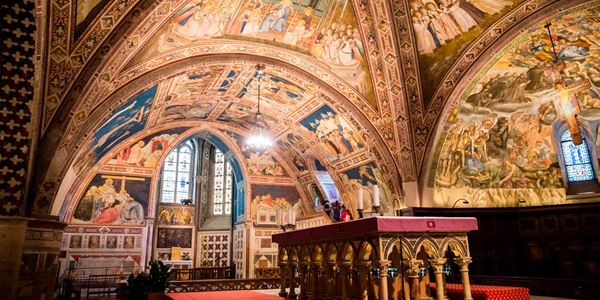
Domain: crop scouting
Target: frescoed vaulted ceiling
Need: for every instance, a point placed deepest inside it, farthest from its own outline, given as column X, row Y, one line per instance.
column 356, row 84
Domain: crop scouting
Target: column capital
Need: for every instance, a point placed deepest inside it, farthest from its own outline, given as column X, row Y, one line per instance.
column 383, row 266
column 413, row 266
column 464, row 262
column 437, row 264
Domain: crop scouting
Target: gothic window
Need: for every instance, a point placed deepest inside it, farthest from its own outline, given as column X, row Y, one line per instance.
column 177, row 174
column 222, row 185
column 578, row 163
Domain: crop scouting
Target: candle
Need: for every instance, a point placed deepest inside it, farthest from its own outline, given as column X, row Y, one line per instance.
column 291, row 214
column 375, row 195
column 284, row 218
column 360, row 198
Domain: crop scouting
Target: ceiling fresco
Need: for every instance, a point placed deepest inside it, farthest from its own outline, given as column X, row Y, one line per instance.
column 499, row 145
column 325, row 30
column 444, row 28
column 343, row 84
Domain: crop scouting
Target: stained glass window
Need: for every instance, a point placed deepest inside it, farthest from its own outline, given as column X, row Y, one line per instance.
column 577, row 159
column 223, row 185
column 177, row 174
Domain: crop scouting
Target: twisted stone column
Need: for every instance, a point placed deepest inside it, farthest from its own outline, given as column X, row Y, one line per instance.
column 464, row 262
column 413, row 278
column 345, row 268
column 292, row 271
column 282, row 275
column 438, row 270
column 331, row 281
column 365, row 270
column 383, row 278
column 303, row 280
column 314, row 269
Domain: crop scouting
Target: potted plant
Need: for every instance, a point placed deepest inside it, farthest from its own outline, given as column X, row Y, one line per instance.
column 158, row 279
column 150, row 285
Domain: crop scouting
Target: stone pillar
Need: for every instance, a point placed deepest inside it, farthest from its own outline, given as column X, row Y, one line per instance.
column 438, row 268
column 292, row 272
column 464, row 262
column 331, row 281
column 365, row 270
column 30, row 251
column 314, row 272
column 12, row 233
column 282, row 275
column 413, row 278
column 383, row 279
column 344, row 286
column 303, row 280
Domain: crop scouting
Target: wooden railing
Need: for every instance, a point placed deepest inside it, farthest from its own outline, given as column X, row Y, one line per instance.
column 203, row 273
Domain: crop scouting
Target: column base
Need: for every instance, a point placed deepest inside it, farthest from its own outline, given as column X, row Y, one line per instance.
column 283, row 294
column 292, row 295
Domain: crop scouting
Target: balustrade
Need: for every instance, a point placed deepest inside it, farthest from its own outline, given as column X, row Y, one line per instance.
column 375, row 258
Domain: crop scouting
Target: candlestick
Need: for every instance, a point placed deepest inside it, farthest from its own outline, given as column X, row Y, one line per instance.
column 376, row 195
column 360, row 198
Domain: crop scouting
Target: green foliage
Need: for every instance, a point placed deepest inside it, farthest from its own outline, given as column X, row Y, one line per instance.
column 156, row 280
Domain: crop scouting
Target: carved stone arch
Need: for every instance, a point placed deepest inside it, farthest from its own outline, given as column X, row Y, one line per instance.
column 292, row 254
column 317, row 254
column 347, row 253
column 454, row 245
column 305, row 253
column 138, row 82
column 331, row 254
column 429, row 245
column 368, row 251
column 282, row 254
column 401, row 244
column 198, row 127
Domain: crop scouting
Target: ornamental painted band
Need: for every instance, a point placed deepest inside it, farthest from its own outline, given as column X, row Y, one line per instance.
column 375, row 258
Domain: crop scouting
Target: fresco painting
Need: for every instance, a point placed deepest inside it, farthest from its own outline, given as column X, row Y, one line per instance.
column 174, row 237
column 500, row 147
column 113, row 200
column 127, row 120
column 327, row 30
column 269, row 200
column 86, row 11
column 366, row 177
column 333, row 132
column 175, row 215
column 444, row 28
column 147, row 151
column 189, row 97
column 258, row 162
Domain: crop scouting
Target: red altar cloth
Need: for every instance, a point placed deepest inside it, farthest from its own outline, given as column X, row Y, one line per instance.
column 379, row 225
column 454, row 291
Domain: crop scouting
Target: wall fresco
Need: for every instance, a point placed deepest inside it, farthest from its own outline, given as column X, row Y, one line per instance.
column 174, row 237
column 147, row 151
column 126, row 120
column 258, row 162
column 269, row 200
column 500, row 145
column 85, row 13
column 366, row 177
column 113, row 200
column 444, row 28
column 333, row 133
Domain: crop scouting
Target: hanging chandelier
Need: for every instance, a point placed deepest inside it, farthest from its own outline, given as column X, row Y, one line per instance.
column 259, row 139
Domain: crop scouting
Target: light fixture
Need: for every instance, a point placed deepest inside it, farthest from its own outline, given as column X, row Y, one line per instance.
column 259, row 139
column 564, row 98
